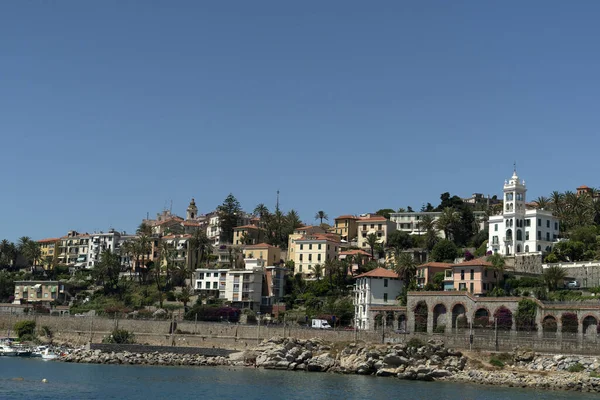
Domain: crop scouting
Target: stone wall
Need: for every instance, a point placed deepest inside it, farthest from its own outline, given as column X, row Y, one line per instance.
column 137, row 348
column 586, row 273
column 529, row 264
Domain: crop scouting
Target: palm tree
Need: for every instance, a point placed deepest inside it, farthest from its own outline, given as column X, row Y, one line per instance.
column 542, row 203
column 448, row 222
column 293, row 220
column 321, row 215
column 330, row 268
column 32, row 252
column 371, row 240
column 198, row 243
column 7, row 253
column 405, row 266
column 317, row 271
column 261, row 211
column 554, row 276
column 498, row 264
column 167, row 253
column 184, row 296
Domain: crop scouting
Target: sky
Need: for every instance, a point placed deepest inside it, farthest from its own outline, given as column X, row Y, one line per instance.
column 110, row 110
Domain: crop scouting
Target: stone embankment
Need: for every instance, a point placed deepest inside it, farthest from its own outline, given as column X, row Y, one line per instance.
column 414, row 361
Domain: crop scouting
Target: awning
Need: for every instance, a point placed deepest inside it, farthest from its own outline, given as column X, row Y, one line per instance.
column 37, row 286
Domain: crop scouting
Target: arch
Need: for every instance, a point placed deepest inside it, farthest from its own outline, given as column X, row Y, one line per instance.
column 549, row 326
column 389, row 320
column 590, row 325
column 421, row 314
column 518, row 248
column 378, row 320
column 519, row 234
column 509, row 234
column 539, row 248
column 402, row 322
column 481, row 318
column 569, row 322
column 526, row 248
column 439, row 318
column 504, row 318
column 459, row 316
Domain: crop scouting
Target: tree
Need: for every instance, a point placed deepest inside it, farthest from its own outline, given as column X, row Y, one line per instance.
column 23, row 328
column 525, row 316
column 317, row 271
column 107, row 271
column 542, row 203
column 448, row 222
column 321, row 215
column 199, row 243
column 406, row 267
column 498, row 263
column 400, row 240
column 184, row 296
column 372, row 241
column 261, row 211
column 385, row 212
column 427, row 224
column 554, row 277
column 229, row 213
column 31, row 251
column 448, row 201
column 444, row 251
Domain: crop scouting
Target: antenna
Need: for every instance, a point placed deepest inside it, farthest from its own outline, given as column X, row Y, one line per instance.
column 171, row 208
column 515, row 167
column 277, row 204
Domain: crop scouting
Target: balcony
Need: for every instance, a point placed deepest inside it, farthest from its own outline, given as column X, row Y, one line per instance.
column 508, row 238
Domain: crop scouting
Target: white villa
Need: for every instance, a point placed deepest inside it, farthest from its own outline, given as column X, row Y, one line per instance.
column 409, row 222
column 376, row 288
column 518, row 229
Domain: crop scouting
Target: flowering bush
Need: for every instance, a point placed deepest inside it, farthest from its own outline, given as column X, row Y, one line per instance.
column 468, row 255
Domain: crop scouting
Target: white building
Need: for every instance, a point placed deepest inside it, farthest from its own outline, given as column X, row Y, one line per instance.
column 99, row 243
column 409, row 222
column 518, row 229
column 378, row 287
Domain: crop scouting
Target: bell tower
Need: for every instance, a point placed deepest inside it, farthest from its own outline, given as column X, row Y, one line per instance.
column 192, row 210
column 514, row 214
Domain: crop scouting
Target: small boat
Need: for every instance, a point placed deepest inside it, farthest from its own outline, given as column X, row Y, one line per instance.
column 48, row 355
column 7, row 350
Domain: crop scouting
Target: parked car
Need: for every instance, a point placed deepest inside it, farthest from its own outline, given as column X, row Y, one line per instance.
column 572, row 284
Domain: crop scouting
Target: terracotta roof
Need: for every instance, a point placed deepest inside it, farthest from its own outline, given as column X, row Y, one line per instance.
column 191, row 223
column 50, row 240
column 476, row 262
column 186, row 236
column 347, row 217
column 301, row 228
column 246, row 227
column 437, row 264
column 374, row 218
column 354, row 252
column 379, row 273
column 260, row 246
column 321, row 236
column 583, row 187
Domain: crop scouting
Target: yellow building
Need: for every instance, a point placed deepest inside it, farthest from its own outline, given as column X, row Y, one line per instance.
column 315, row 249
column 49, row 252
column 375, row 224
column 43, row 292
column 264, row 251
column 299, row 233
column 247, row 235
column 346, row 226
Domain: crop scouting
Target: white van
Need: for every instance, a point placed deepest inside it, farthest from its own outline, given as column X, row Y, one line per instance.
column 320, row 324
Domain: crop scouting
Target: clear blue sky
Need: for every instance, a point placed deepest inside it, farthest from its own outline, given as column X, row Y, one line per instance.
column 111, row 109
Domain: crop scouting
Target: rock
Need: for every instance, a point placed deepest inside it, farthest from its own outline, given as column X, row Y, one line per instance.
column 320, row 363
column 386, row 372
column 394, row 360
column 440, row 373
column 524, row 355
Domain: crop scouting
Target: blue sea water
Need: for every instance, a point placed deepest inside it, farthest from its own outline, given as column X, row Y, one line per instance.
column 92, row 381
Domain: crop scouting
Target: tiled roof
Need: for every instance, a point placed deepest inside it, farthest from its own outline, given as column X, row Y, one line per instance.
column 347, row 217
column 302, row 228
column 374, row 218
column 260, row 246
column 191, row 223
column 321, row 236
column 583, row 187
column 50, row 240
column 246, row 227
column 476, row 262
column 354, row 252
column 379, row 272
column 437, row 264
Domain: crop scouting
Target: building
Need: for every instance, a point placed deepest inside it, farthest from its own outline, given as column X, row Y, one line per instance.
column 314, row 249
column 99, row 243
column 355, row 258
column 39, row 292
column 376, row 224
column 426, row 272
column 478, row 199
column 247, row 235
column 299, row 233
column 518, row 229
column 263, row 251
column 210, row 283
column 410, row 222
column 74, row 248
column 375, row 289
column 346, row 227
column 475, row 276
column 182, row 254
column 49, row 249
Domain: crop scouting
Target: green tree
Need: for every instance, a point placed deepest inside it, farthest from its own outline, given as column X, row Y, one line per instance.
column 406, row 267
column 229, row 212
column 498, row 262
column 184, row 296
column 317, row 271
column 400, row 240
column 444, row 251
column 372, row 241
column 107, row 271
column 525, row 315
column 448, row 222
column 385, row 212
column 7, row 286
column 554, row 277
column 23, row 328
column 199, row 243
column 321, row 215
column 261, row 211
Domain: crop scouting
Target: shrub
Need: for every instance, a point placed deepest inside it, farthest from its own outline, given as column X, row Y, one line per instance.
column 440, row 329
column 496, row 363
column 576, row 368
column 22, row 328
column 570, row 323
column 506, row 358
column 47, row 331
column 525, row 315
column 504, row 318
column 120, row 336
column 28, row 338
column 461, row 322
column 415, row 343
column 171, row 296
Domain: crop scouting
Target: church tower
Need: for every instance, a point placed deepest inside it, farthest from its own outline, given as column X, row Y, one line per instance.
column 514, row 214
column 192, row 210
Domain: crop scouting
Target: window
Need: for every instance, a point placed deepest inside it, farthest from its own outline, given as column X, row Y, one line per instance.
column 471, row 287
column 462, row 274
column 385, row 283
column 319, row 246
column 201, row 275
column 472, row 274
column 208, row 285
column 462, row 286
column 495, row 227
column 539, row 222
column 372, row 226
column 528, row 222
column 527, row 235
column 310, row 246
column 300, row 257
column 310, row 257
column 485, row 272
column 300, row 268
column 379, row 227
column 539, row 248
column 318, row 257
column 215, row 285
column 301, row 247
column 548, row 236
column 526, row 248
column 547, row 223
column 385, row 297
column 556, row 226
column 539, row 235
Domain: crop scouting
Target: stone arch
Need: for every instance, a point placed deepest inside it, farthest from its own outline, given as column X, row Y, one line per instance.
column 519, row 234
column 549, row 326
column 504, row 318
column 402, row 322
column 459, row 316
column 526, row 248
column 518, row 248
column 481, row 318
column 569, row 322
column 590, row 325
column 439, row 316
column 421, row 314
column 378, row 319
column 389, row 320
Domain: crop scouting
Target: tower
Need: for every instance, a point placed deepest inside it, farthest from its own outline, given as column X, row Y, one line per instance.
column 192, row 210
column 514, row 214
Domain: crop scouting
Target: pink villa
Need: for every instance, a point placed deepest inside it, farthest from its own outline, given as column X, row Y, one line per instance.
column 426, row 272
column 475, row 276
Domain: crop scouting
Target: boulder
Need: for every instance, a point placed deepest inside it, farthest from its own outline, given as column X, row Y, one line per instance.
column 320, row 363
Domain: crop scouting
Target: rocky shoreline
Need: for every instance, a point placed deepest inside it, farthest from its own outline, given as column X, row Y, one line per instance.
column 413, row 361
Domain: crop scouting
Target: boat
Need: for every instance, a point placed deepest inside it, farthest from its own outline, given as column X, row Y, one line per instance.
column 49, row 355
column 7, row 350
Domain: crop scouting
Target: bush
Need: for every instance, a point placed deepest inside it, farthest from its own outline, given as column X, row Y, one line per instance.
column 120, row 336
column 496, row 363
column 28, row 338
column 576, row 368
column 24, row 328
column 440, row 329
column 506, row 358
column 415, row 343
column 47, row 331
column 171, row 296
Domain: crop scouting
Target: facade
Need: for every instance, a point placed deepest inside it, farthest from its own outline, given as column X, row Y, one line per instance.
column 313, row 250
column 356, row 258
column 298, row 234
column 247, row 235
column 346, row 227
column 211, row 282
column 377, row 288
column 376, row 224
column 518, row 229
column 49, row 249
column 475, row 276
column 39, row 292
column 409, row 222
column 182, row 254
column 263, row 251
column 74, row 249
column 99, row 243
column 426, row 272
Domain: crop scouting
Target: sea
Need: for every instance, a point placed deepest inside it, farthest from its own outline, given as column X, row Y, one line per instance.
column 21, row 378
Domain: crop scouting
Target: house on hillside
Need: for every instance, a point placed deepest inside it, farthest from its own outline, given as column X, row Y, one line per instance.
column 376, row 289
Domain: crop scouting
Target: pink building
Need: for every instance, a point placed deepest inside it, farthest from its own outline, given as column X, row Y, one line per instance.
column 476, row 276
column 426, row 272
